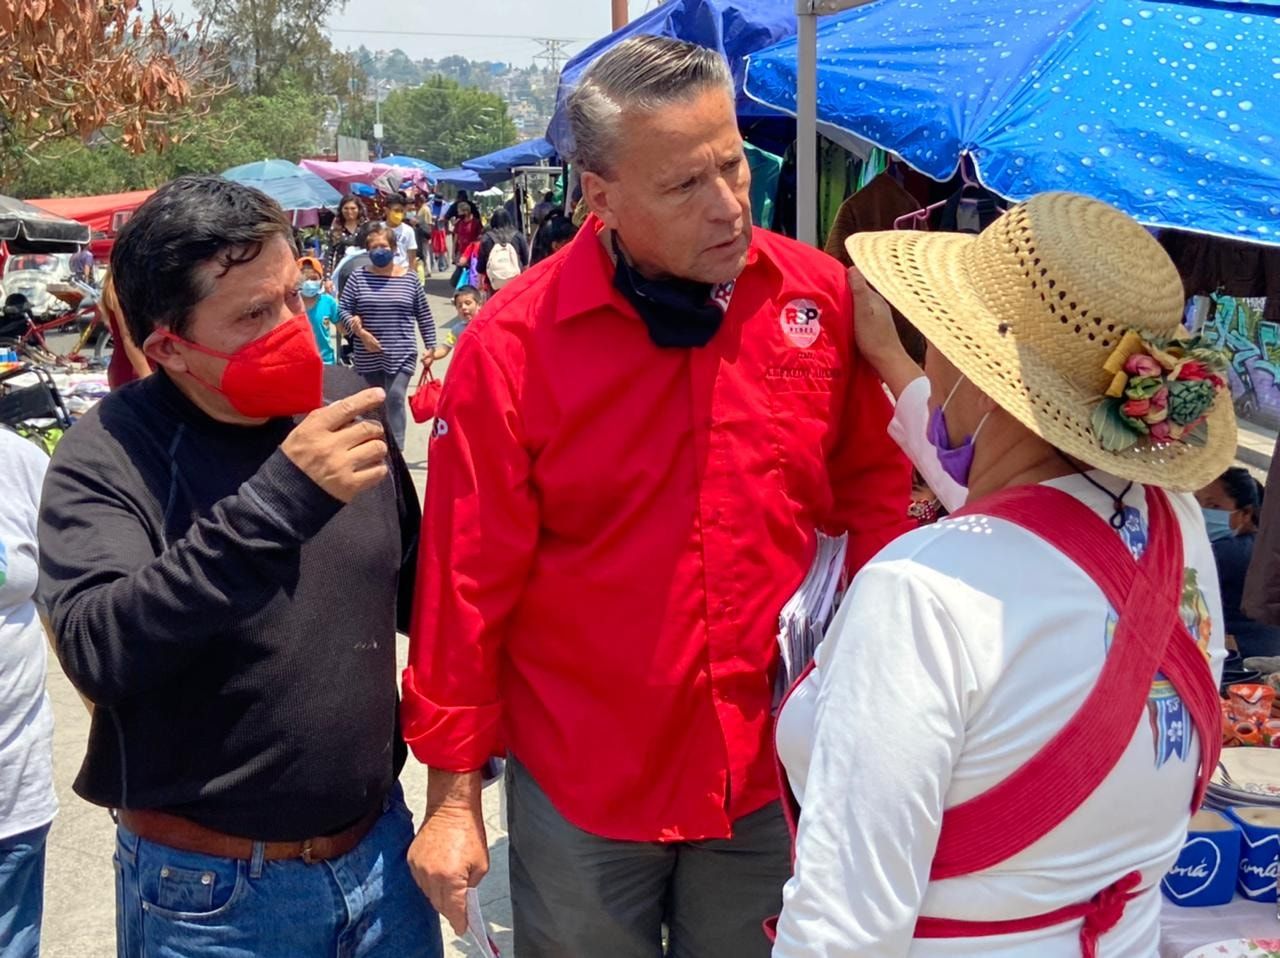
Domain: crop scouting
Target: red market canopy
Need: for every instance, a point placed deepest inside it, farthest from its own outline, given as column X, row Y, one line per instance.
column 96, row 212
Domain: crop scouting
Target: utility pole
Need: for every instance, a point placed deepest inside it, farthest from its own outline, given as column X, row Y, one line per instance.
column 554, row 52
column 377, row 117
column 620, row 14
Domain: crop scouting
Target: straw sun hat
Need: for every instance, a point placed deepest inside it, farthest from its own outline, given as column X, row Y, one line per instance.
column 1068, row 314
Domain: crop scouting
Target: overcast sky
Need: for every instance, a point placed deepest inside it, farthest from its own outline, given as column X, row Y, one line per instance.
column 405, row 25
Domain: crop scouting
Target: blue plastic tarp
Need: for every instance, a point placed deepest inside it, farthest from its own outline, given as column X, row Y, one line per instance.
column 496, row 167
column 287, row 183
column 463, row 179
column 412, row 161
column 734, row 27
column 1164, row 109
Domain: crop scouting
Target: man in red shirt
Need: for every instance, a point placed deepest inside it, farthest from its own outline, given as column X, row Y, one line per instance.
column 636, row 443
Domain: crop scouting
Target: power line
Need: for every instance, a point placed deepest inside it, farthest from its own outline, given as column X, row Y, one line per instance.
column 466, row 36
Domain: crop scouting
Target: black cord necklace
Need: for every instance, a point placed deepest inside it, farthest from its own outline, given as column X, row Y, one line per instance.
column 1117, row 517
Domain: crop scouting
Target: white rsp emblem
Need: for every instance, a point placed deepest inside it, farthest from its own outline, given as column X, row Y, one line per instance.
column 801, row 322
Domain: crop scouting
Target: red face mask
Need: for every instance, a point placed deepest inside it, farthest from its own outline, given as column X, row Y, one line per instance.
column 279, row 374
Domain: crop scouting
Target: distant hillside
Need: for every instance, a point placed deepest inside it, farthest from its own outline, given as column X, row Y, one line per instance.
column 529, row 91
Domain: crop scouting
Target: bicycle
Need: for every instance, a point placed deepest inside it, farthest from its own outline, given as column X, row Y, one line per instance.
column 20, row 331
column 35, row 411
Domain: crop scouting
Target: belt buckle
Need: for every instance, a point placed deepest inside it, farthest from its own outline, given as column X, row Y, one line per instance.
column 306, row 853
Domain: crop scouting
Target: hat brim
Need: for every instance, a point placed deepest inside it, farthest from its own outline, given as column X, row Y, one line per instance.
column 926, row 276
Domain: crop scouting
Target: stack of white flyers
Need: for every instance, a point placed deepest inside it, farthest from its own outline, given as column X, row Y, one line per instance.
column 804, row 619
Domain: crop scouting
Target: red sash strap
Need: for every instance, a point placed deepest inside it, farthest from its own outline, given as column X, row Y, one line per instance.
column 1150, row 637
column 1102, row 913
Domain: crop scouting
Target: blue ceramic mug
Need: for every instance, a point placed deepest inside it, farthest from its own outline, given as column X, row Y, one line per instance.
column 1207, row 866
column 1259, row 852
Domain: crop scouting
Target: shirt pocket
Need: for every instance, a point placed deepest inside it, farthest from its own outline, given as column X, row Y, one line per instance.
column 803, row 416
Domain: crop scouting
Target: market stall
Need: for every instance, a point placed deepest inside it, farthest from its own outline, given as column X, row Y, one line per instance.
column 294, row 188
column 344, row 176
column 733, row 27
column 1159, row 109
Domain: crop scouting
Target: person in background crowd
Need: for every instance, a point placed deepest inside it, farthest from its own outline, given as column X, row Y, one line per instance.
column 128, row 362
column 603, row 601
column 504, row 253
column 82, row 266
column 1232, row 506
column 422, row 223
column 193, row 530
column 27, row 800
column 467, row 303
column 543, row 209
column 344, row 234
column 452, row 212
column 380, row 306
column 1057, row 647
column 406, row 239
column 1260, row 601
column 467, row 229
column 556, row 232
column 439, row 235
column 322, row 309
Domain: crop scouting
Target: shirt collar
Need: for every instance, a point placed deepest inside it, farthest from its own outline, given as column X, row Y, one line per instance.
column 586, row 279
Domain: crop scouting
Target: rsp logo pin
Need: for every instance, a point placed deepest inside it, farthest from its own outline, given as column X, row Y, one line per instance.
column 801, row 322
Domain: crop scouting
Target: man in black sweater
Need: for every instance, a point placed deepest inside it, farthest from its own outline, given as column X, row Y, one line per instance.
column 226, row 552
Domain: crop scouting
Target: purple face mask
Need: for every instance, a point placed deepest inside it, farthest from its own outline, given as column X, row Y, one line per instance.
column 956, row 462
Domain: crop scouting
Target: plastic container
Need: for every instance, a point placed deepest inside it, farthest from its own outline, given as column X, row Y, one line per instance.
column 1208, row 865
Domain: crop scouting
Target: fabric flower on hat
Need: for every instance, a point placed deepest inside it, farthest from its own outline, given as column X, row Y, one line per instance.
column 1161, row 390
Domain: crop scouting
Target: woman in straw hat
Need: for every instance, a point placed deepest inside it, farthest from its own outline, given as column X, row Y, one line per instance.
column 1014, row 715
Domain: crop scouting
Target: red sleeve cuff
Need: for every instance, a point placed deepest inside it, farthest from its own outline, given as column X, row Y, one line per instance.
column 452, row 738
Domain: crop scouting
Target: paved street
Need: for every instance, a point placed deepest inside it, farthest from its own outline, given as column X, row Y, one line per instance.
column 79, row 885
column 80, row 902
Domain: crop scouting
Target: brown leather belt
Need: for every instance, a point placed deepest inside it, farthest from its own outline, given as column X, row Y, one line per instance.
column 185, row 835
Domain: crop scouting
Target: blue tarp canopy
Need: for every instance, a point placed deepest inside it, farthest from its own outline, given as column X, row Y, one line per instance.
column 1164, row 108
column 496, row 167
column 424, row 165
column 463, row 179
column 734, row 27
column 287, row 183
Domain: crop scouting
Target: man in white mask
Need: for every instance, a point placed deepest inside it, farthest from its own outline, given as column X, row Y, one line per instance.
column 878, row 341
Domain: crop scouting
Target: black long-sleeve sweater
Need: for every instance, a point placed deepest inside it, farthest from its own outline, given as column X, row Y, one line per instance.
column 234, row 625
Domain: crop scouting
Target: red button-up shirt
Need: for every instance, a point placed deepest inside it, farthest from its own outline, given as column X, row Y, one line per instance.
column 612, row 529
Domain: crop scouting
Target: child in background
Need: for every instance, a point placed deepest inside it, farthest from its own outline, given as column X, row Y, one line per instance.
column 467, row 302
column 406, row 240
column 322, row 309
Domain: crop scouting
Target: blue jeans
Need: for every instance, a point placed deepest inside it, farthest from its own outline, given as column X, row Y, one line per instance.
column 174, row 904
column 22, row 892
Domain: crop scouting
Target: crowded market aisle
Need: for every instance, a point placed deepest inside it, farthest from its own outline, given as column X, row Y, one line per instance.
column 79, row 885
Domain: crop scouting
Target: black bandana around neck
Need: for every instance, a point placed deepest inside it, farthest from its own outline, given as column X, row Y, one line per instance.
column 678, row 313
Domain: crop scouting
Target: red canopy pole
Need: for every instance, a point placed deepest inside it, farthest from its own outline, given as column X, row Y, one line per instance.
column 620, row 14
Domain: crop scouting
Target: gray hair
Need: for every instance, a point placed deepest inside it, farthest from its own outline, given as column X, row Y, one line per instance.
column 643, row 73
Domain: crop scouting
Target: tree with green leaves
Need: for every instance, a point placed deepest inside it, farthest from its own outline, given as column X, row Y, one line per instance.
column 76, row 70
column 273, row 44
column 446, row 122
column 243, row 129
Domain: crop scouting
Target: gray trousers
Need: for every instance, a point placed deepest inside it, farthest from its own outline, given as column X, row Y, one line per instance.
column 397, row 389
column 576, row 895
